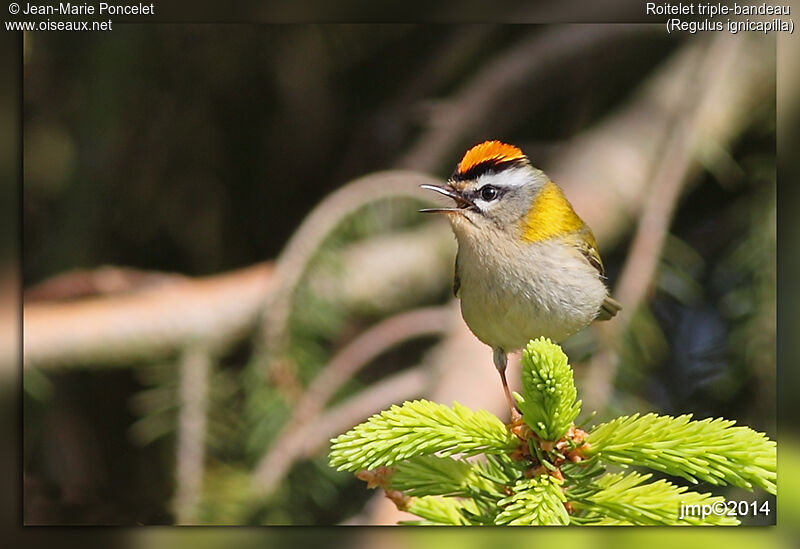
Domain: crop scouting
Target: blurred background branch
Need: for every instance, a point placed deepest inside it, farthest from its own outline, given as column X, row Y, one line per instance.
column 195, row 366
column 149, row 323
column 294, row 260
column 474, row 106
column 715, row 71
column 366, row 347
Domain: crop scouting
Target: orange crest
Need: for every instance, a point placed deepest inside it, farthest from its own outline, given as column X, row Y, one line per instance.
column 489, row 151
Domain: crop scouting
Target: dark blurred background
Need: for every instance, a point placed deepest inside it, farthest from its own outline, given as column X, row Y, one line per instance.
column 199, row 148
column 157, row 154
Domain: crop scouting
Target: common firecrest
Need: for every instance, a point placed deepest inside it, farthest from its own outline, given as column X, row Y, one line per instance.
column 527, row 265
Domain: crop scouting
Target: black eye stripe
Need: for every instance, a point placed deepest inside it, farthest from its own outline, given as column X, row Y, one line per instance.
column 478, row 194
column 488, row 166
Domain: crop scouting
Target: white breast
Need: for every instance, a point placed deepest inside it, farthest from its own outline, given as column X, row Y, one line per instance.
column 539, row 289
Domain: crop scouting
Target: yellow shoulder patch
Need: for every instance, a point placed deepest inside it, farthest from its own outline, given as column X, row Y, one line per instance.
column 489, row 151
column 550, row 215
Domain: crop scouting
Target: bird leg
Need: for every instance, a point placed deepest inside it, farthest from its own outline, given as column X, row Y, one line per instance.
column 500, row 362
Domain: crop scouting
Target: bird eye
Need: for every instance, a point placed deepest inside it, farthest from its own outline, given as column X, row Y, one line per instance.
column 489, row 193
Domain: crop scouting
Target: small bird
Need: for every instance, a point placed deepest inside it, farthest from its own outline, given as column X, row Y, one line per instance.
column 527, row 265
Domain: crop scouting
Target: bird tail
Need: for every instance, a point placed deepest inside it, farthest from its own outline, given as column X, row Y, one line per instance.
column 609, row 308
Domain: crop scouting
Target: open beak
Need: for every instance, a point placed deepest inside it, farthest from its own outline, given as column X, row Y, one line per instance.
column 461, row 201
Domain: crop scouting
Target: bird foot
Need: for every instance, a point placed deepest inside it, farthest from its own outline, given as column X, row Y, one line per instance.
column 518, row 426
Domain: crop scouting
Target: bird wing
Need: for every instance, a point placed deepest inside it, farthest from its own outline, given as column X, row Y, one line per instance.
column 456, row 279
column 587, row 245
